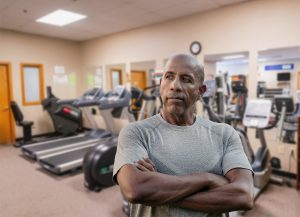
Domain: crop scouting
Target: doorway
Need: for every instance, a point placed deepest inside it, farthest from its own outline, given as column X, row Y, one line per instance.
column 7, row 134
column 139, row 79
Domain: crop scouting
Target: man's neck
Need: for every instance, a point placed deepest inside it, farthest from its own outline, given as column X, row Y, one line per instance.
column 180, row 120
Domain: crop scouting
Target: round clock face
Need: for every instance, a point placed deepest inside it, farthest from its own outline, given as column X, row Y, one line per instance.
column 195, row 47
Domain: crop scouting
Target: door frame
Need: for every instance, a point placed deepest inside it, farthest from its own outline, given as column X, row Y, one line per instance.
column 10, row 90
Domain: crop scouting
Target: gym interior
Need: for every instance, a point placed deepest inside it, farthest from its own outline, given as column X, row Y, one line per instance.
column 67, row 89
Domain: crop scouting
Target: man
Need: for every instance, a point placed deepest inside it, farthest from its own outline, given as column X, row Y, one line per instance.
column 178, row 164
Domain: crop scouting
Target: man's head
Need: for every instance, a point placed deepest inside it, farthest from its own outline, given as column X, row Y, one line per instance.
column 182, row 84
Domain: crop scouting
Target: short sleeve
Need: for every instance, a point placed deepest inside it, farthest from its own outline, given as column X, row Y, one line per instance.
column 234, row 156
column 130, row 148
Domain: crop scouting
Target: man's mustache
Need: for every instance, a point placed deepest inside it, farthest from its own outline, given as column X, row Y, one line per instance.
column 175, row 96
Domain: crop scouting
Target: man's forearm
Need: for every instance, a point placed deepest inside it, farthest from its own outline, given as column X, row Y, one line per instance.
column 233, row 196
column 156, row 188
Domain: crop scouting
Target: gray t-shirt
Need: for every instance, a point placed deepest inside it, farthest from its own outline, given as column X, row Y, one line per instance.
column 204, row 146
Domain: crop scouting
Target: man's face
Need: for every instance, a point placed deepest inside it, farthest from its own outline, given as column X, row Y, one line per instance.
column 180, row 87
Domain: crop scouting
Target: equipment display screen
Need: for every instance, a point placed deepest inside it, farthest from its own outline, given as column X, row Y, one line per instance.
column 286, row 76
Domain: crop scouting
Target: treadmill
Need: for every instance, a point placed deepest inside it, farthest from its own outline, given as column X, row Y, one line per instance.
column 36, row 150
column 72, row 159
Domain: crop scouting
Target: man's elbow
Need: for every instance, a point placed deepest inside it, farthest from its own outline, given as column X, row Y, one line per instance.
column 132, row 195
column 132, row 192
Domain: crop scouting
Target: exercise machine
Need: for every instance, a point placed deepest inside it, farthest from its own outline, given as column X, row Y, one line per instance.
column 98, row 162
column 72, row 159
column 285, row 107
column 26, row 125
column 67, row 119
column 36, row 150
column 257, row 115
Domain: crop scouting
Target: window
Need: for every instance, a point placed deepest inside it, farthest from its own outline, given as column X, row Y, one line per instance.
column 116, row 77
column 32, row 84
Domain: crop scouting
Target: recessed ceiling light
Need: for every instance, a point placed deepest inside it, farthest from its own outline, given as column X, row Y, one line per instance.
column 233, row 57
column 60, row 18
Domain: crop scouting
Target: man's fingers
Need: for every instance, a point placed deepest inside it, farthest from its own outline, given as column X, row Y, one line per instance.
column 149, row 161
column 140, row 167
column 147, row 165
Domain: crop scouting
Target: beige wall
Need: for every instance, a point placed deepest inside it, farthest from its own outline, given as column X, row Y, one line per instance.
column 249, row 26
column 19, row 48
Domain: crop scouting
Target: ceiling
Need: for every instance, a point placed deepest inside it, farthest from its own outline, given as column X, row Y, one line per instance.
column 104, row 17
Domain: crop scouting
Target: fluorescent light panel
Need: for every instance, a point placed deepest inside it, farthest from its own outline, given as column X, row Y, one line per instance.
column 233, row 57
column 61, row 18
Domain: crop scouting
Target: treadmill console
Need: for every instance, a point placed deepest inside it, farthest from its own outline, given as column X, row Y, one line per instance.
column 116, row 94
column 95, row 93
column 90, row 98
column 119, row 97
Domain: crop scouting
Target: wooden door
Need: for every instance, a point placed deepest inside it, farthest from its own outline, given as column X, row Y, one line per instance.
column 6, row 128
column 138, row 79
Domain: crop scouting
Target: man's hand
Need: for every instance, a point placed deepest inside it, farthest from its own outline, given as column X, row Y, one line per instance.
column 145, row 165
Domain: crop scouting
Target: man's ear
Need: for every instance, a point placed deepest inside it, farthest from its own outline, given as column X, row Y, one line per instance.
column 202, row 89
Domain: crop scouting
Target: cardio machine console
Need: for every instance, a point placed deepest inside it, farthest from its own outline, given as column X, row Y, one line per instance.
column 257, row 113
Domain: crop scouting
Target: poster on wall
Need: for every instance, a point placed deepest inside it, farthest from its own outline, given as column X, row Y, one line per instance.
column 59, row 70
column 60, row 79
column 72, row 79
column 90, row 80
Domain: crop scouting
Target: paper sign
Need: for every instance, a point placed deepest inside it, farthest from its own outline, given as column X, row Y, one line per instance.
column 72, row 79
column 60, row 79
column 90, row 80
column 59, row 69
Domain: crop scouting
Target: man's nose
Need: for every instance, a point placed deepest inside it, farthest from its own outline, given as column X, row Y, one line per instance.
column 176, row 84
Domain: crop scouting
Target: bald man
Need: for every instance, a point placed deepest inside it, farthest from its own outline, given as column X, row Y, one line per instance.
column 178, row 164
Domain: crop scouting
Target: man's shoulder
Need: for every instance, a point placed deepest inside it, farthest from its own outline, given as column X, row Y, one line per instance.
column 215, row 127
column 151, row 122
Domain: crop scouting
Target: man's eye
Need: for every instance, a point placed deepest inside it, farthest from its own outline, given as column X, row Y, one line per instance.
column 169, row 76
column 187, row 80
